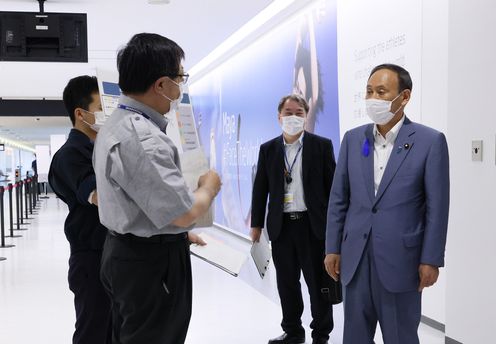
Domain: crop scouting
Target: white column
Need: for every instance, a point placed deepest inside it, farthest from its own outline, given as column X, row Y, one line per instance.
column 471, row 274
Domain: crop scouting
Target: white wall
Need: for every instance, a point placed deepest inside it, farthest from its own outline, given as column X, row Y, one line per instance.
column 56, row 141
column 372, row 33
column 10, row 162
column 434, row 113
column 471, row 275
column 423, row 52
column 26, row 160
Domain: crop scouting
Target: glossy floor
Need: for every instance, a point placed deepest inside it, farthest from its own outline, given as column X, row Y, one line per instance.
column 36, row 304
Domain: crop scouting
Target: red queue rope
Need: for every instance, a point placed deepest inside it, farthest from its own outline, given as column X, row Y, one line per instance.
column 10, row 187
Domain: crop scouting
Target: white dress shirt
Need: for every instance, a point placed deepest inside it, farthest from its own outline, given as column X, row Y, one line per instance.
column 295, row 188
column 383, row 146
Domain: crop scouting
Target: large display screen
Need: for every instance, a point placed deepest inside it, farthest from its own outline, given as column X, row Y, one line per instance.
column 235, row 105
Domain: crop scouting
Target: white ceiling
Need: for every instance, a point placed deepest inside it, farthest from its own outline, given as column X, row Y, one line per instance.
column 198, row 26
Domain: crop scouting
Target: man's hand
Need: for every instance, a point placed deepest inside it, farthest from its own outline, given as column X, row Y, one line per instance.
column 94, row 198
column 211, row 181
column 332, row 264
column 428, row 276
column 255, row 234
column 195, row 239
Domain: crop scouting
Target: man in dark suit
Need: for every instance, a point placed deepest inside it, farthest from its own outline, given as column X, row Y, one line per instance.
column 295, row 170
column 72, row 178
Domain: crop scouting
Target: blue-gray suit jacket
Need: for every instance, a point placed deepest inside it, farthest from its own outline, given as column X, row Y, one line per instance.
column 408, row 218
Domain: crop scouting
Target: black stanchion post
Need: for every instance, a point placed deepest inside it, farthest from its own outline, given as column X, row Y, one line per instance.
column 2, row 228
column 38, row 190
column 45, row 188
column 2, row 222
column 26, row 192
column 11, row 213
column 19, row 207
column 30, row 196
column 35, row 191
column 21, row 203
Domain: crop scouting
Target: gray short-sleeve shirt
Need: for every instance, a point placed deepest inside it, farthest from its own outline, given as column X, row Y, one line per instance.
column 140, row 186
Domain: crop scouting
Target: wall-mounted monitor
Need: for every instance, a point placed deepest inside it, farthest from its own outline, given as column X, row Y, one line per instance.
column 49, row 37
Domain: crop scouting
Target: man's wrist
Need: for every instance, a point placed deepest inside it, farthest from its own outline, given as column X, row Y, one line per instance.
column 210, row 192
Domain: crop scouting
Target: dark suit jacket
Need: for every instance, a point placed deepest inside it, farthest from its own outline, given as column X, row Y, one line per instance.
column 72, row 178
column 318, row 166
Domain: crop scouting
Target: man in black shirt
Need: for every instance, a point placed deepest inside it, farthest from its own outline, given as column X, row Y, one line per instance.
column 72, row 178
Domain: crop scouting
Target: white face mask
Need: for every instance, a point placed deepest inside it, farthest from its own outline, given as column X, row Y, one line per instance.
column 174, row 103
column 292, row 125
column 379, row 110
column 100, row 119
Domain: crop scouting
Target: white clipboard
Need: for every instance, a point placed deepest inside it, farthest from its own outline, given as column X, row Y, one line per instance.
column 261, row 254
column 193, row 165
column 219, row 255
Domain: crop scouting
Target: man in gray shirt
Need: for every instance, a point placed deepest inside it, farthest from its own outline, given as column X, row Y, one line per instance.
column 144, row 201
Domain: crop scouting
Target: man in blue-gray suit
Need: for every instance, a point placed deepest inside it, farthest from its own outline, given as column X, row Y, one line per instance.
column 388, row 214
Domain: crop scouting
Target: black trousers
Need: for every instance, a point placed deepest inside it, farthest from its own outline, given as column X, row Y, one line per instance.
column 150, row 284
column 92, row 304
column 295, row 250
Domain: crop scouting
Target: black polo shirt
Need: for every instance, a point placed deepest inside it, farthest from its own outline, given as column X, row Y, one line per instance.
column 72, row 178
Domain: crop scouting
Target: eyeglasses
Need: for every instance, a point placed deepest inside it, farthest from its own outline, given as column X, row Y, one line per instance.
column 184, row 76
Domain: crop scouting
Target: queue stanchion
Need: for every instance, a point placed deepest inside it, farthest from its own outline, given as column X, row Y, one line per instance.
column 34, row 187
column 30, row 196
column 45, row 188
column 2, row 222
column 10, row 189
column 2, row 226
column 26, row 196
column 19, row 208
column 35, row 192
column 38, row 191
column 21, row 204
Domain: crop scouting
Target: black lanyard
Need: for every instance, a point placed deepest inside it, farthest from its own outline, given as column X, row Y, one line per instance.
column 288, row 169
column 139, row 112
column 132, row 109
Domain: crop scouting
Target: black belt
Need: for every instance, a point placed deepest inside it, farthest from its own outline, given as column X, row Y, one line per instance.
column 155, row 239
column 295, row 215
